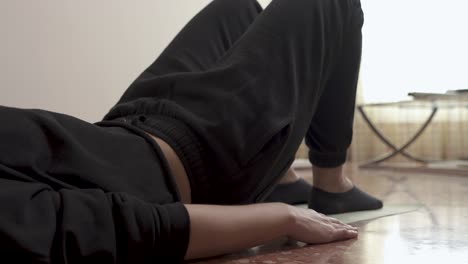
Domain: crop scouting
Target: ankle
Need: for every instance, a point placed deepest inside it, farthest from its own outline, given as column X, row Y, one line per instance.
column 339, row 186
column 331, row 179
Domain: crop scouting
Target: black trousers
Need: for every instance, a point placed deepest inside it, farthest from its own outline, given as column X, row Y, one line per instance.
column 253, row 83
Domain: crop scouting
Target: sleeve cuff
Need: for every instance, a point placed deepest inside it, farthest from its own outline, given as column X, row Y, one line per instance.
column 179, row 233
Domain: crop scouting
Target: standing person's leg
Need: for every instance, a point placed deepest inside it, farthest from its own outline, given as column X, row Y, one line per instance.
column 198, row 46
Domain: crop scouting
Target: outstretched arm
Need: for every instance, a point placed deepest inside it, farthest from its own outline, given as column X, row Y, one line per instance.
column 217, row 230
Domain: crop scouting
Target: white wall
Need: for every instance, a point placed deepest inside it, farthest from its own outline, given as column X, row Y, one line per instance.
column 77, row 57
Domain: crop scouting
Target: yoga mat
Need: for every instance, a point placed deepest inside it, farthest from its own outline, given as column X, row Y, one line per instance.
column 301, row 164
column 387, row 210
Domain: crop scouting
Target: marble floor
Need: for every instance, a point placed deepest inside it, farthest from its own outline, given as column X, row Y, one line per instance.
column 436, row 233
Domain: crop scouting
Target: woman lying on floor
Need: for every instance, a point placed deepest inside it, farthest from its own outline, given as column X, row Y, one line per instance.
column 179, row 167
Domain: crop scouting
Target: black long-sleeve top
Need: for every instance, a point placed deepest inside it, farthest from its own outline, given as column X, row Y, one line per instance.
column 74, row 192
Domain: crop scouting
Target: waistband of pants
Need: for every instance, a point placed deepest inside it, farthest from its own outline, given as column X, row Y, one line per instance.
column 182, row 139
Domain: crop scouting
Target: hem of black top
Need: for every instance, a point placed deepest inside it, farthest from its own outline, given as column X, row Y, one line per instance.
column 159, row 153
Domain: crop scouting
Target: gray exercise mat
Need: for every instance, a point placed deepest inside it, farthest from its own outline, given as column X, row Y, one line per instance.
column 387, row 210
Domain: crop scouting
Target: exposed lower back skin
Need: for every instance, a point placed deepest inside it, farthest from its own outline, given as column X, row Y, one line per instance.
column 177, row 169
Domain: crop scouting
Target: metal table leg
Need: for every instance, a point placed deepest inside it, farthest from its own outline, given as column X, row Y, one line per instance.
column 396, row 150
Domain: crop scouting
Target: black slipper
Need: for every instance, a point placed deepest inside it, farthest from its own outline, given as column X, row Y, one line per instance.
column 290, row 193
column 337, row 203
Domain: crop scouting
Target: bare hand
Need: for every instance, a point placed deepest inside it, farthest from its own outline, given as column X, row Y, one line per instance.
column 311, row 227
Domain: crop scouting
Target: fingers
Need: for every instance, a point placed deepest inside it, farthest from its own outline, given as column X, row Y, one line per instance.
column 338, row 222
column 330, row 219
column 342, row 231
column 342, row 234
column 334, row 220
column 338, row 230
column 313, row 227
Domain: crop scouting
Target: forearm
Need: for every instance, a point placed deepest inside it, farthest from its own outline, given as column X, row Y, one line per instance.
column 218, row 230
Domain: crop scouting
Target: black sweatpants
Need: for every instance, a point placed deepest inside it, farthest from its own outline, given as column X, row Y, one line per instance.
column 252, row 84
